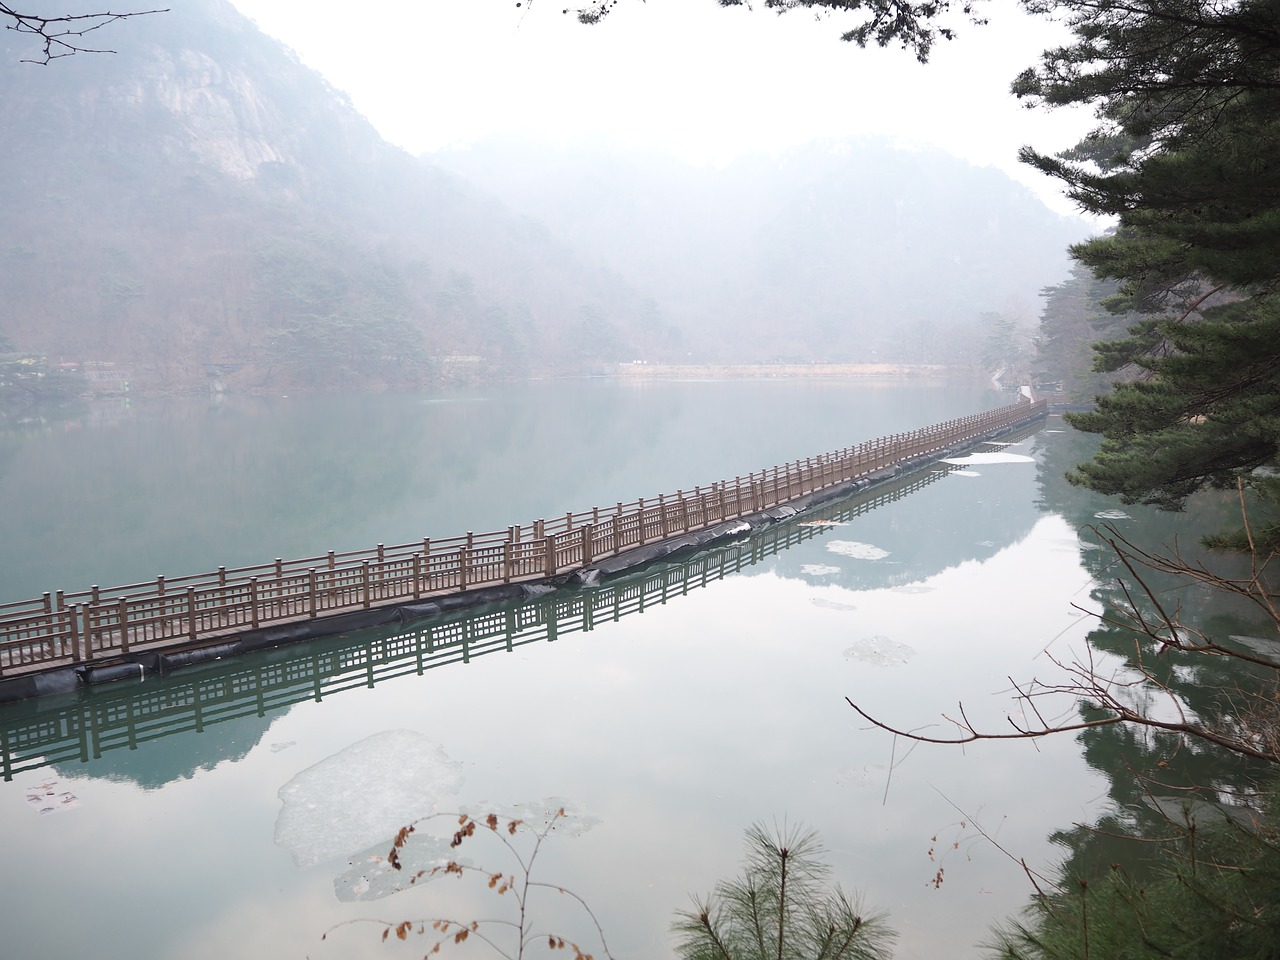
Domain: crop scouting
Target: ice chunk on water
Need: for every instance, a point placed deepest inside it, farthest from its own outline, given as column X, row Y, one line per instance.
column 984, row 457
column 1112, row 515
column 363, row 794
column 1190, row 810
column 818, row 569
column 371, row 876
column 859, row 776
column 879, row 651
column 538, row 814
column 826, row 604
column 1263, row 646
column 859, row 551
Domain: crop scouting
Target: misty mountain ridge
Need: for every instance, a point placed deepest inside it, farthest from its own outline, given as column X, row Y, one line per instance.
column 201, row 199
column 814, row 251
column 201, row 204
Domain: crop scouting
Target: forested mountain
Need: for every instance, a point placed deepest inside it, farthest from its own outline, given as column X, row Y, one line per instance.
column 849, row 251
column 200, row 205
column 202, row 198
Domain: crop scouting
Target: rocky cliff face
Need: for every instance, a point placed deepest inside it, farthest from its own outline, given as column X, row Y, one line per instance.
column 201, row 198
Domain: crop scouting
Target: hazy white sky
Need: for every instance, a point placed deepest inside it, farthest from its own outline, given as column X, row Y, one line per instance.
column 687, row 76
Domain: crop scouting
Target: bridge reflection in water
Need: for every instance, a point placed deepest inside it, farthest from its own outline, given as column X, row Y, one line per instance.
column 82, row 727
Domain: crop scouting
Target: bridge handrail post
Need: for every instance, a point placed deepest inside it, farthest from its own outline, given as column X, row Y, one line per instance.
column 192, row 633
column 549, row 555
column 253, row 602
column 122, row 607
column 417, row 576
column 364, row 582
column 313, row 596
column 73, row 627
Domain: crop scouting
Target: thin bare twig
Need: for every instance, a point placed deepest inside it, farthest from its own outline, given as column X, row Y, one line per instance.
column 63, row 35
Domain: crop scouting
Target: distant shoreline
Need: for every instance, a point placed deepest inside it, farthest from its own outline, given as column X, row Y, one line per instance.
column 656, row 371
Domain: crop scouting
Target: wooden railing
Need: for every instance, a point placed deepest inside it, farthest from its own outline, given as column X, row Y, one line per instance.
column 127, row 715
column 73, row 628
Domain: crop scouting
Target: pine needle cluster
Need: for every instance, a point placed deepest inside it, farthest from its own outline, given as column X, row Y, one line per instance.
column 781, row 907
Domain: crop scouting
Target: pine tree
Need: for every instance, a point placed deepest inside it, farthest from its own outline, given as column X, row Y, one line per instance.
column 780, row 908
column 1186, row 157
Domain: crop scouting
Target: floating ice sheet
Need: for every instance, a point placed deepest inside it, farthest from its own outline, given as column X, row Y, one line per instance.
column 880, row 651
column 574, row 822
column 818, row 569
column 1263, row 646
column 822, row 523
column 362, row 795
column 993, row 456
column 859, row 776
column 859, row 551
column 1184, row 810
column 371, row 876
column 965, row 473
column 1112, row 515
column 826, row 604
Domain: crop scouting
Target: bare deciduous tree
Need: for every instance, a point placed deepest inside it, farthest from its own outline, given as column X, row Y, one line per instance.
column 1245, row 714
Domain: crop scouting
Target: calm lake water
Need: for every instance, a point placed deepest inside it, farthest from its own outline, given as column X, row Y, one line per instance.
column 684, row 705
